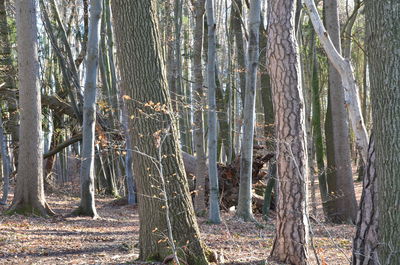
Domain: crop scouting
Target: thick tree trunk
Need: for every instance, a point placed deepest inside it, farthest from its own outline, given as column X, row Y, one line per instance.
column 341, row 206
column 214, row 212
column 87, row 204
column 290, row 244
column 383, row 20
column 244, row 209
column 29, row 194
column 164, row 203
column 198, row 96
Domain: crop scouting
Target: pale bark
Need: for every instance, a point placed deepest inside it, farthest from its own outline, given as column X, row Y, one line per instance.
column 214, row 211
column 290, row 244
column 29, row 194
column 87, row 204
column 244, row 209
column 154, row 137
column 6, row 163
column 345, row 69
column 383, row 20
column 198, row 95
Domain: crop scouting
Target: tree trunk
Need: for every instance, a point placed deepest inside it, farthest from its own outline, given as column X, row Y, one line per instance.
column 161, row 181
column 348, row 80
column 214, row 214
column 198, row 95
column 383, row 20
column 29, row 194
column 244, row 209
column 290, row 244
column 87, row 204
column 6, row 163
column 342, row 204
column 365, row 243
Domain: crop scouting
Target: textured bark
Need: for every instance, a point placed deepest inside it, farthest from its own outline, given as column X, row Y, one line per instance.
column 198, row 95
column 341, row 206
column 244, row 209
column 214, row 212
column 29, row 194
column 365, row 243
column 87, row 204
column 383, row 20
column 157, row 158
column 290, row 244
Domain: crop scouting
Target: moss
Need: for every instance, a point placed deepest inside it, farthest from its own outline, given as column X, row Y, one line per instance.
column 26, row 210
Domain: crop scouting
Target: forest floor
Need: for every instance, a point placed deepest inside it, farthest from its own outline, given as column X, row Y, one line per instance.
column 112, row 238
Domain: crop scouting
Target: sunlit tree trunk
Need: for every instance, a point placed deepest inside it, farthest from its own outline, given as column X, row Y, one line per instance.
column 29, row 193
column 290, row 244
column 165, row 209
column 244, row 209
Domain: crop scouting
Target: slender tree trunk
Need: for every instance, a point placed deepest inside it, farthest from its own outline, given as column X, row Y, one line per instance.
column 198, row 95
column 383, row 20
column 342, row 204
column 159, row 172
column 214, row 214
column 290, row 244
column 29, row 194
column 244, row 210
column 87, row 204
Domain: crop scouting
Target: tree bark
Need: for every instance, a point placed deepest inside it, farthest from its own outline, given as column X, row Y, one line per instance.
column 365, row 243
column 383, row 19
column 290, row 244
column 214, row 211
column 198, row 95
column 157, row 158
column 341, row 206
column 244, row 209
column 87, row 204
column 29, row 194
column 345, row 69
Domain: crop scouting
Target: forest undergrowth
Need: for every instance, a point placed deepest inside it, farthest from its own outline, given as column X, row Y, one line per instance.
column 112, row 239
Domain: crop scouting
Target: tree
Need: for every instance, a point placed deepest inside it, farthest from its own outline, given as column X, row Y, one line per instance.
column 341, row 205
column 198, row 135
column 244, row 209
column 29, row 194
column 214, row 214
column 383, row 19
column 161, row 180
column 290, row 244
column 87, row 204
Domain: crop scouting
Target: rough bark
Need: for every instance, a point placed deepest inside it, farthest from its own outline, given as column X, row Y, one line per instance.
column 156, row 156
column 341, row 206
column 290, row 244
column 198, row 95
column 87, row 204
column 29, row 193
column 214, row 212
column 365, row 243
column 383, row 19
column 244, row 209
